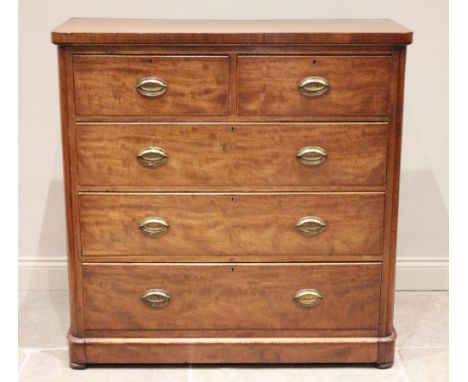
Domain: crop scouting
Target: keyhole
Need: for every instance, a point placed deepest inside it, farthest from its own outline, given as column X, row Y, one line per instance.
column 314, row 62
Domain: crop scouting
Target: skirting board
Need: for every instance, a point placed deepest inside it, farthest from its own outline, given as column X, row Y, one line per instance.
column 412, row 274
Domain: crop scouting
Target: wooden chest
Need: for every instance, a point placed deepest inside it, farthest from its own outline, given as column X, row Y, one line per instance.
column 231, row 189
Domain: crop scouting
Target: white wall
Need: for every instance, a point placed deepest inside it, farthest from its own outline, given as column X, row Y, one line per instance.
column 423, row 224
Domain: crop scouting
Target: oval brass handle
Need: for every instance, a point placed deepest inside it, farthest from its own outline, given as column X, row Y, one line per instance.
column 308, row 297
column 154, row 226
column 151, row 87
column 313, row 86
column 156, row 298
column 311, row 156
column 311, row 225
column 152, row 156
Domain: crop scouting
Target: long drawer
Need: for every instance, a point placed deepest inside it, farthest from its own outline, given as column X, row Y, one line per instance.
column 313, row 85
column 231, row 296
column 208, row 157
column 150, row 85
column 324, row 224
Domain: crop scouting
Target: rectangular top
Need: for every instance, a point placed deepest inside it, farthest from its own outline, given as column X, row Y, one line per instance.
column 142, row 31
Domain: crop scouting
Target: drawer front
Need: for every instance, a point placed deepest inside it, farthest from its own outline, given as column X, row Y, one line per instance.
column 232, row 224
column 213, row 156
column 188, row 85
column 357, row 85
column 231, row 296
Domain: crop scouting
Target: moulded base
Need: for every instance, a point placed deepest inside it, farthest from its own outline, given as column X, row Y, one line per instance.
column 375, row 350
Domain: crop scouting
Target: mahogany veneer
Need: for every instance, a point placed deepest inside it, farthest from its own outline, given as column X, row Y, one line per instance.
column 233, row 296
column 232, row 224
column 211, row 157
column 105, row 85
column 267, row 85
column 231, row 189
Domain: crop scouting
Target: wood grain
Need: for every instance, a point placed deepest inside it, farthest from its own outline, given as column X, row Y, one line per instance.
column 233, row 118
column 387, row 351
column 235, row 350
column 105, row 85
column 232, row 224
column 232, row 296
column 274, row 351
column 268, row 85
column 244, row 258
column 231, row 333
column 224, row 74
column 76, row 347
column 140, row 31
column 261, row 49
column 208, row 157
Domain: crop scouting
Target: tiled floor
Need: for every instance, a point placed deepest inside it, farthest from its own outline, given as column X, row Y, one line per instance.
column 421, row 322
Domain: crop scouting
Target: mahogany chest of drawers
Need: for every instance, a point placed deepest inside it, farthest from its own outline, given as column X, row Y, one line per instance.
column 231, row 189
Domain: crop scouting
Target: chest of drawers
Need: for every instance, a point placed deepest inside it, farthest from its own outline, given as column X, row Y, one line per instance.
column 231, row 189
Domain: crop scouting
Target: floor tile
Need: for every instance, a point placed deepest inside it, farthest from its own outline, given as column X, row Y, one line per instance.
column 421, row 319
column 52, row 366
column 426, row 364
column 21, row 358
column 43, row 319
column 301, row 374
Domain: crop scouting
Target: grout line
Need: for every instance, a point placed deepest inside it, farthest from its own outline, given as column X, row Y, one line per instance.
column 37, row 350
column 30, row 351
column 403, row 367
column 23, row 364
column 422, row 290
column 422, row 347
column 44, row 290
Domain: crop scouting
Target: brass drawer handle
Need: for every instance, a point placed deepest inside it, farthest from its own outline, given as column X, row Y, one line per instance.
column 308, row 297
column 311, row 156
column 151, row 87
column 311, row 225
column 152, row 156
column 156, row 298
column 154, row 226
column 313, row 86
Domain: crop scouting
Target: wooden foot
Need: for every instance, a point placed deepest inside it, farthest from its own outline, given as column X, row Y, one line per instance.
column 385, row 365
column 77, row 366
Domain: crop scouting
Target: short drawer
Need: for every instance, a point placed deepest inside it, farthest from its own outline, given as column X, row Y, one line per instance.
column 232, row 156
column 231, row 296
column 313, row 85
column 150, row 85
column 324, row 224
